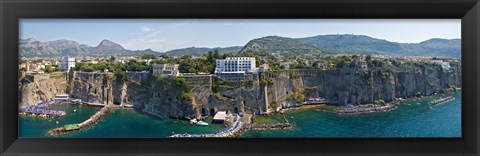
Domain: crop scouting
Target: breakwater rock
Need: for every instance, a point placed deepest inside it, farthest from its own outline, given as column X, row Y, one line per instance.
column 75, row 127
column 261, row 127
column 362, row 109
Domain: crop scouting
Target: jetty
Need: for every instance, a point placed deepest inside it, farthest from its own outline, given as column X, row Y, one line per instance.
column 75, row 127
column 262, row 127
column 362, row 109
column 94, row 104
column 441, row 101
column 237, row 129
column 227, row 132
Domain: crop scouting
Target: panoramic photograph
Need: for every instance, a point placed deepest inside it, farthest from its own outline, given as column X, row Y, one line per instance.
column 241, row 78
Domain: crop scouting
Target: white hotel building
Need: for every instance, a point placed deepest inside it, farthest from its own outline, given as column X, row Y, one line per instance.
column 235, row 68
column 67, row 63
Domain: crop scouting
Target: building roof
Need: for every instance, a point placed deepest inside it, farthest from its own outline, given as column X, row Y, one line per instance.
column 221, row 115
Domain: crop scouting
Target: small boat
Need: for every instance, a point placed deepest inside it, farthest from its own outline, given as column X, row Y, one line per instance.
column 193, row 121
column 76, row 101
column 201, row 123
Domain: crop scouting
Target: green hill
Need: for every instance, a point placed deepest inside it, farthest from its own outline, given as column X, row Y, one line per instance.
column 277, row 44
column 194, row 51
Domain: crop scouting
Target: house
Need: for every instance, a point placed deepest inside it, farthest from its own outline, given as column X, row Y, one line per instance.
column 263, row 68
column 286, row 64
column 360, row 61
column 166, row 69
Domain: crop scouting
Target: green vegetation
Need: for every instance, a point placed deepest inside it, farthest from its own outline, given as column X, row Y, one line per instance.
column 379, row 101
column 50, row 69
column 70, row 127
column 283, row 45
column 267, row 81
column 187, row 95
column 296, row 96
column 194, row 51
column 418, row 94
column 451, row 88
column 219, row 85
column 132, row 65
column 148, row 56
column 368, row 45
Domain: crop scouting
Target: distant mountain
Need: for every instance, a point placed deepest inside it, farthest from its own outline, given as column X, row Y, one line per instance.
column 360, row 44
column 108, row 46
column 194, row 51
column 435, row 47
column 277, row 44
column 368, row 45
column 33, row 48
column 68, row 47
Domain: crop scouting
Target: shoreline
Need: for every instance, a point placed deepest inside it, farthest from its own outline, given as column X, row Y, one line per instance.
column 94, row 119
column 240, row 128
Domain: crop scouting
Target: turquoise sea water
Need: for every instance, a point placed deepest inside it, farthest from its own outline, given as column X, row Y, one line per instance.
column 414, row 118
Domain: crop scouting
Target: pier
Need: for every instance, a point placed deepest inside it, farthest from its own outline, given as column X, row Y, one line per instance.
column 441, row 101
column 228, row 132
column 262, row 127
column 362, row 109
column 237, row 129
column 94, row 104
column 75, row 127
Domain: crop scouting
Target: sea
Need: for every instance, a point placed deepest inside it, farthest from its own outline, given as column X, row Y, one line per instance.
column 414, row 118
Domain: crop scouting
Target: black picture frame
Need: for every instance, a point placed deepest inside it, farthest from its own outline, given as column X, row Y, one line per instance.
column 12, row 10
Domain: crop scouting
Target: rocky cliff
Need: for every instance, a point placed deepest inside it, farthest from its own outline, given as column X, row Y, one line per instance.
column 41, row 87
column 362, row 86
column 194, row 96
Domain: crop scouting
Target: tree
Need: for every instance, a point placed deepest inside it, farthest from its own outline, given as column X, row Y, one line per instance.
column 148, row 56
column 227, row 55
column 165, row 56
column 248, row 54
column 112, row 58
column 210, row 56
column 216, row 54
column 186, row 57
column 50, row 69
column 315, row 64
column 192, row 70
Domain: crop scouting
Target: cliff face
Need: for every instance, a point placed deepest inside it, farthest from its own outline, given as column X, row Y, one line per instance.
column 180, row 97
column 44, row 87
column 361, row 86
column 91, row 87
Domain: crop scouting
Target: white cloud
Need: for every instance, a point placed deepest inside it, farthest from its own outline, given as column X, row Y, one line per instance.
column 151, row 39
column 147, row 29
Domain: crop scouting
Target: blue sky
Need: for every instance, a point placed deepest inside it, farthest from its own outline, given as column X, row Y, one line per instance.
column 167, row 34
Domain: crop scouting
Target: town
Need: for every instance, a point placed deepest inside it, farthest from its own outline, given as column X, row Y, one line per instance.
column 227, row 66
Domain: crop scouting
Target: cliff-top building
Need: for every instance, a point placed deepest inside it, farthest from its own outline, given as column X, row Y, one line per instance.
column 235, row 68
column 166, row 69
column 67, row 63
column 445, row 65
column 360, row 62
